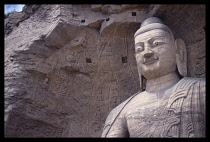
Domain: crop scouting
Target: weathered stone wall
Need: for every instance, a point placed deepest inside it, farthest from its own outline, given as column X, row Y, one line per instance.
column 15, row 18
column 68, row 66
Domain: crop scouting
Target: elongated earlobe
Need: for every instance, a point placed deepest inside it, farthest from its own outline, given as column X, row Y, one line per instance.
column 140, row 81
column 181, row 57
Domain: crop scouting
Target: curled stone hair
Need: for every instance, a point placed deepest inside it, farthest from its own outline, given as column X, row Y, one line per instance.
column 151, row 24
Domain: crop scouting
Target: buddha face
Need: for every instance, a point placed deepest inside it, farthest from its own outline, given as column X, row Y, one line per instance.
column 155, row 53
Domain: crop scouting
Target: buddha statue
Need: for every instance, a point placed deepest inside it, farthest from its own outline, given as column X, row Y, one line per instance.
column 172, row 105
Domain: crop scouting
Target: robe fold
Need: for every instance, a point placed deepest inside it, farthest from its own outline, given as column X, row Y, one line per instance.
column 183, row 115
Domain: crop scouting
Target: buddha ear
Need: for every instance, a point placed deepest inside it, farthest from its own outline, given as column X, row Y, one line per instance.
column 181, row 57
column 142, row 82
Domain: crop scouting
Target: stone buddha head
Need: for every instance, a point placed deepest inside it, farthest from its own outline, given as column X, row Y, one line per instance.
column 158, row 53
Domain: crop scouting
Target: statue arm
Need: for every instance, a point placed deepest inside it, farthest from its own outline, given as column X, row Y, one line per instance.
column 203, row 96
column 199, row 100
column 118, row 128
column 115, row 125
column 203, row 102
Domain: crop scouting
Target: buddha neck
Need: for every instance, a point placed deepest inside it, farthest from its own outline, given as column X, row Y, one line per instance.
column 162, row 82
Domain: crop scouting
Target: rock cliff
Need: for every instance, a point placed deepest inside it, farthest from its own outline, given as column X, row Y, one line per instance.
column 68, row 66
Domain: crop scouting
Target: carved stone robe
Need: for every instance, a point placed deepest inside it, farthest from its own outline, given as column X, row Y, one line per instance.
column 181, row 114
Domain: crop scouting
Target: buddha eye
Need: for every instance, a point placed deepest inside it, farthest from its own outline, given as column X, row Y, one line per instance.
column 139, row 49
column 157, row 42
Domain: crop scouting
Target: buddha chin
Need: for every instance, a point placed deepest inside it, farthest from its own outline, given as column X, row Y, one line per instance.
column 157, row 68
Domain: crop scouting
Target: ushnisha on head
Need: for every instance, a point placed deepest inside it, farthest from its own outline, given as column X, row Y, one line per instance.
column 151, row 24
column 157, row 52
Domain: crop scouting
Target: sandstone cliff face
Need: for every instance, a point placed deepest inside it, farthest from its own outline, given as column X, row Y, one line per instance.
column 68, row 66
column 15, row 18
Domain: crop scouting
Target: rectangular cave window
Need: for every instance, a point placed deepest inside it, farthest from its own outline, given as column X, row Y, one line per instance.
column 88, row 60
column 124, row 59
column 82, row 21
column 133, row 13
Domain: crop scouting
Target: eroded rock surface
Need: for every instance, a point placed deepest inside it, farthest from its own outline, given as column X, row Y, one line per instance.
column 68, row 66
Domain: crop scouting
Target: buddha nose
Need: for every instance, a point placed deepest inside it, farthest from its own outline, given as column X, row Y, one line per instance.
column 148, row 53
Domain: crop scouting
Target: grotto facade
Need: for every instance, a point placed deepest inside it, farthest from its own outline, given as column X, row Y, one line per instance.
column 68, row 66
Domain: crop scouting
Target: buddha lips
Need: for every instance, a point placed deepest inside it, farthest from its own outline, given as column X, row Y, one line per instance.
column 150, row 60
